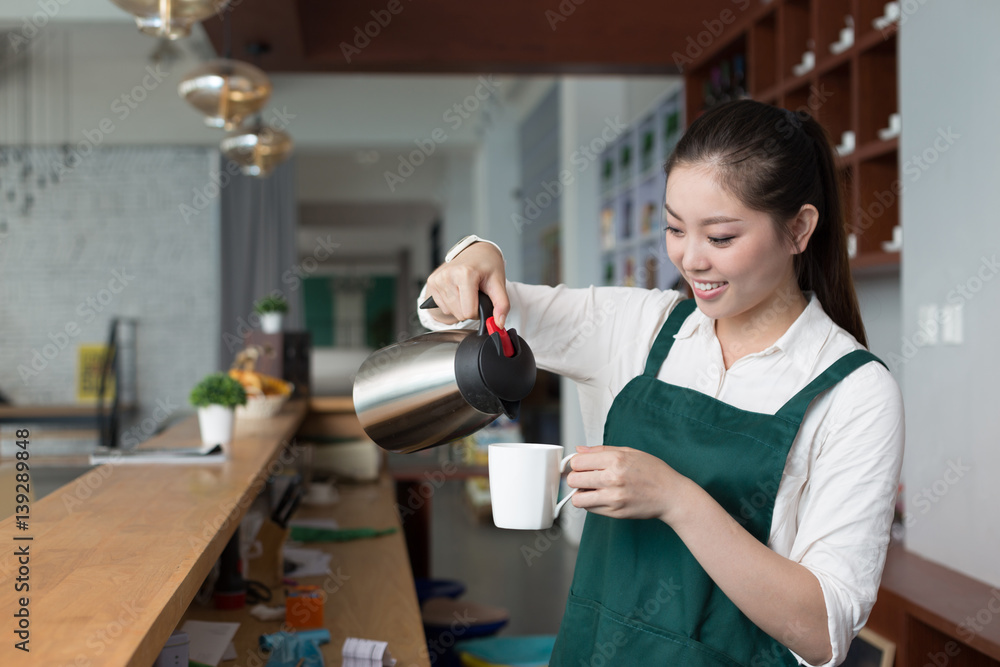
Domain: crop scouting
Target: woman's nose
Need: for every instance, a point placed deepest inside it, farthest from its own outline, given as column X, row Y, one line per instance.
column 694, row 259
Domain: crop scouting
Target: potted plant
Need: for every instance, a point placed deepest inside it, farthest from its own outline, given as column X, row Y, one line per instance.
column 216, row 398
column 271, row 309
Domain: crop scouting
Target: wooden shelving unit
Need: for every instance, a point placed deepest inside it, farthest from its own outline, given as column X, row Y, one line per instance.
column 852, row 89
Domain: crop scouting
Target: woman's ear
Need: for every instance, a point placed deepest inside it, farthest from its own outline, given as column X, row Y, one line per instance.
column 803, row 226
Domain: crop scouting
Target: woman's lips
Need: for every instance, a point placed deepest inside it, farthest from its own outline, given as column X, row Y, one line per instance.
column 713, row 291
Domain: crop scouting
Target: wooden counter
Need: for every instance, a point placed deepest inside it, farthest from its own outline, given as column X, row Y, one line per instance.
column 935, row 615
column 117, row 556
column 370, row 592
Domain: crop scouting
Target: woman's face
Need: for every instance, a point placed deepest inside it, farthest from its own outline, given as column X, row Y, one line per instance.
column 732, row 256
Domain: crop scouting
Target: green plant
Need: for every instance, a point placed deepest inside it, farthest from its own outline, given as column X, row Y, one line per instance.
column 271, row 304
column 218, row 389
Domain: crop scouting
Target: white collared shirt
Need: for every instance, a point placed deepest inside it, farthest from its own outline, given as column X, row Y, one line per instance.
column 835, row 502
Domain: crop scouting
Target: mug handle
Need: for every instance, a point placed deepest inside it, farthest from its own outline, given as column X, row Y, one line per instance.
column 562, row 465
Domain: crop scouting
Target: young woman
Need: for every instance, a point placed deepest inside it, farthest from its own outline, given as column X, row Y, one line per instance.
column 741, row 491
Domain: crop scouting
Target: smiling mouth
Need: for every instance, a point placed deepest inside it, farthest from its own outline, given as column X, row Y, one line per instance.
column 707, row 287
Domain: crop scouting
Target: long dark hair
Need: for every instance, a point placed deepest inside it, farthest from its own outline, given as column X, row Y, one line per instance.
column 775, row 161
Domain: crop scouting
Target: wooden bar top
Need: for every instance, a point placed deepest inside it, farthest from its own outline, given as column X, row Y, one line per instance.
column 370, row 592
column 116, row 557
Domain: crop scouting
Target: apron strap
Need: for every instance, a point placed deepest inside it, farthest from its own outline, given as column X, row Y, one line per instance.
column 665, row 339
column 795, row 409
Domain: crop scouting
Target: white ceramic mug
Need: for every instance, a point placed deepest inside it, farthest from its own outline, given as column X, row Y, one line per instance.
column 524, row 484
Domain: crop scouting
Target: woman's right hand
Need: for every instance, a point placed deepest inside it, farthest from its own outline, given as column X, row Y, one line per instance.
column 455, row 285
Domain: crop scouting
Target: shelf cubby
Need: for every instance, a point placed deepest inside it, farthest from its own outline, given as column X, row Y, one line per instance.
column 878, row 203
column 796, row 98
column 762, row 55
column 794, row 28
column 831, row 17
column 835, row 107
column 868, row 11
column 877, row 85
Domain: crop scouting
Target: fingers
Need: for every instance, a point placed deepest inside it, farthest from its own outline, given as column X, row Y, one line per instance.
column 590, row 479
column 496, row 289
column 597, row 458
column 455, row 286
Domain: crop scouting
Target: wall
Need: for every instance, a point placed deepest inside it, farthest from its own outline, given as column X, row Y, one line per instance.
column 106, row 241
column 538, row 207
column 949, row 151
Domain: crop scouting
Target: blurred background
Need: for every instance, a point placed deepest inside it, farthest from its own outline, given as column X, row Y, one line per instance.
column 396, row 128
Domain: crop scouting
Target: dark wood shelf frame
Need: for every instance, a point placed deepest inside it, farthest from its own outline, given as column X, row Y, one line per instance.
column 855, row 90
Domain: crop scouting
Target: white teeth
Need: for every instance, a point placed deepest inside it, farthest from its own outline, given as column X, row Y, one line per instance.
column 707, row 286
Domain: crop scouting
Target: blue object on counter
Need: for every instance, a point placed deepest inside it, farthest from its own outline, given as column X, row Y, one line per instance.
column 437, row 588
column 287, row 648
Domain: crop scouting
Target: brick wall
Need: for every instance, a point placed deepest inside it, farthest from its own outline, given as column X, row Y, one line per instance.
column 108, row 240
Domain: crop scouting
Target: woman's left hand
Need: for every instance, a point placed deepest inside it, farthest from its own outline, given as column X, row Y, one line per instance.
column 625, row 483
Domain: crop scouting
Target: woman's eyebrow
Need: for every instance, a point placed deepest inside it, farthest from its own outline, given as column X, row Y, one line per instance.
column 714, row 220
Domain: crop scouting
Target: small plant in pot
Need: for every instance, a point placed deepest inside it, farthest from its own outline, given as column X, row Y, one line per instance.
column 216, row 398
column 271, row 309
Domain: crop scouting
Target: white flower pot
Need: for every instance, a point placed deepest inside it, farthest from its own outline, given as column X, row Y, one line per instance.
column 216, row 423
column 270, row 323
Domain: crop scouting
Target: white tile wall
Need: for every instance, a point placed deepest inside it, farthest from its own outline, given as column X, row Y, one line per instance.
column 115, row 216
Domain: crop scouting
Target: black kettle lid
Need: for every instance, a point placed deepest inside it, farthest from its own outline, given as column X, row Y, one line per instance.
column 494, row 369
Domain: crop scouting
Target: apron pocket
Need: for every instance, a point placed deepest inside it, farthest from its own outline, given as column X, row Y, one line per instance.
column 591, row 635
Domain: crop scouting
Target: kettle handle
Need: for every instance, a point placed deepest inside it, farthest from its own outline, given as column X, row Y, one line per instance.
column 485, row 309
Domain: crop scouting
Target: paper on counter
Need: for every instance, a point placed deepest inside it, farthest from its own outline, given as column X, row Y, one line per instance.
column 308, row 562
column 209, row 640
column 366, row 653
column 230, row 653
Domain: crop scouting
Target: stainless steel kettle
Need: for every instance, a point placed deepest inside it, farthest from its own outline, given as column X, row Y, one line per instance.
column 444, row 385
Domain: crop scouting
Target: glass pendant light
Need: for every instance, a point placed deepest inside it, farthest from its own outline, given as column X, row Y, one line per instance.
column 226, row 91
column 172, row 19
column 257, row 149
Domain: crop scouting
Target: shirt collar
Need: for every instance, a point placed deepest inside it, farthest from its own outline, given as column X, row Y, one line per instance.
column 802, row 341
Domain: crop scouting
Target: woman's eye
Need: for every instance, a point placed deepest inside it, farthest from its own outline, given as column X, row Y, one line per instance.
column 721, row 242
column 673, row 230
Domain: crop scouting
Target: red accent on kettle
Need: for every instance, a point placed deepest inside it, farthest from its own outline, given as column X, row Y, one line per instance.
column 492, row 328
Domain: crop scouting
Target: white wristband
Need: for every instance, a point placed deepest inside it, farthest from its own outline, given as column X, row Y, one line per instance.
column 465, row 243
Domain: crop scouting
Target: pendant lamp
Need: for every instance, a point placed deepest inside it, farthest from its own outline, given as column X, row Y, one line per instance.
column 226, row 91
column 257, row 149
column 172, row 19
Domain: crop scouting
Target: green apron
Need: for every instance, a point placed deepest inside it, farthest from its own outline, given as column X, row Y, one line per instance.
column 639, row 597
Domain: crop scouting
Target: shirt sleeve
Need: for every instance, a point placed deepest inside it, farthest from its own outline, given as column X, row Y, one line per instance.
column 846, row 509
column 576, row 332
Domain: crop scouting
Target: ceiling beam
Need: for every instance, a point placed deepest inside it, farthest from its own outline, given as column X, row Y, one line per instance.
column 444, row 36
